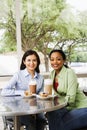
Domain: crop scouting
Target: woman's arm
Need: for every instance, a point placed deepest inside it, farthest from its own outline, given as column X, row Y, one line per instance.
column 10, row 88
column 72, row 86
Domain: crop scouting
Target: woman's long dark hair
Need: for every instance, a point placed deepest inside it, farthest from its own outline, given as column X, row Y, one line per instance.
column 27, row 53
column 62, row 54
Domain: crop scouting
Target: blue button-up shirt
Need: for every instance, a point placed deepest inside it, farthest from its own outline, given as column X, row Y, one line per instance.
column 20, row 82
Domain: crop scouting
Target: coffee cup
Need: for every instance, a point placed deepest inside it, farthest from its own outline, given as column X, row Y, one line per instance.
column 48, row 84
column 32, row 86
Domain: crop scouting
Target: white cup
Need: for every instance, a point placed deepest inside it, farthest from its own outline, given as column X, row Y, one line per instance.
column 48, row 84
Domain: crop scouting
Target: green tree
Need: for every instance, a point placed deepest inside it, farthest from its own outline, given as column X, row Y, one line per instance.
column 45, row 25
column 37, row 25
column 72, row 32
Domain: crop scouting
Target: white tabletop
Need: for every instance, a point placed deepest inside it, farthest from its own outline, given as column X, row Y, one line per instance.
column 17, row 105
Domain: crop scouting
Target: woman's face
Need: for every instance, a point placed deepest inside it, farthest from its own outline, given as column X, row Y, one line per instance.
column 56, row 61
column 31, row 62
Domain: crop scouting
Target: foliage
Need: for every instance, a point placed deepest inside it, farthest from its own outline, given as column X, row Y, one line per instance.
column 45, row 25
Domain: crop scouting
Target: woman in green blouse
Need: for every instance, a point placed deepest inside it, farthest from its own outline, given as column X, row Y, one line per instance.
column 74, row 115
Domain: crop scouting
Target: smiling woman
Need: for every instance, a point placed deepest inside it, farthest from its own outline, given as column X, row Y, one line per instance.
column 74, row 115
column 20, row 83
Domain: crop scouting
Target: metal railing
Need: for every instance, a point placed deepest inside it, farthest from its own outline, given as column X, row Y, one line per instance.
column 82, row 79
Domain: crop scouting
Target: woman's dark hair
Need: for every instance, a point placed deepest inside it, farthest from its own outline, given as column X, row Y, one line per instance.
column 27, row 53
column 62, row 54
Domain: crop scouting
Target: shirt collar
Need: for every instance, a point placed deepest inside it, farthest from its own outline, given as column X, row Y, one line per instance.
column 61, row 73
column 26, row 73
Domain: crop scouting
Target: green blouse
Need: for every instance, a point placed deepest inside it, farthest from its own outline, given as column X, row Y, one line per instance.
column 69, row 88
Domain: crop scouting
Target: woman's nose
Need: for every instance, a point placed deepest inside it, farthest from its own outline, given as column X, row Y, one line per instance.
column 55, row 61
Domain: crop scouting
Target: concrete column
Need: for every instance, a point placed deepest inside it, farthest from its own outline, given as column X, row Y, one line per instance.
column 18, row 31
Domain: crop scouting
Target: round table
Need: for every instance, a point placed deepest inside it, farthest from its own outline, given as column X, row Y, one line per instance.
column 18, row 105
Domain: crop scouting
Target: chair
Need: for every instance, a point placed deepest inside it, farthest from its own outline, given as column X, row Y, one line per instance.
column 9, row 124
column 46, row 126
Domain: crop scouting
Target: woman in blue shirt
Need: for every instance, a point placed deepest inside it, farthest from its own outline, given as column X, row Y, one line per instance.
column 19, row 83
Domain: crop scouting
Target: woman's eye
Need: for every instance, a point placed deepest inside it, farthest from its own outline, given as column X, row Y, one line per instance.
column 29, row 60
column 34, row 60
column 51, row 59
column 58, row 59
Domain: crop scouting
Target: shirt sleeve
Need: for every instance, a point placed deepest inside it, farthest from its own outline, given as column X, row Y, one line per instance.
column 10, row 89
column 72, row 87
